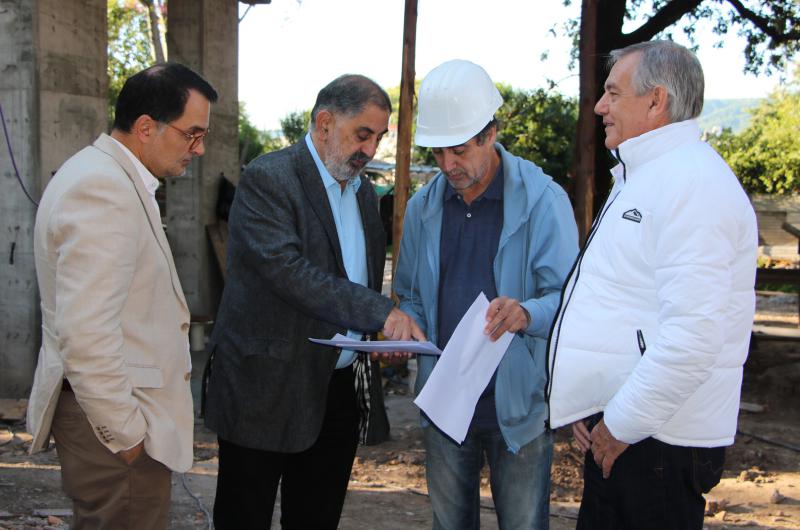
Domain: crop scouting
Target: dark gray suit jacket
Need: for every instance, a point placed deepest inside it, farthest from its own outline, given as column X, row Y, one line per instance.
column 286, row 282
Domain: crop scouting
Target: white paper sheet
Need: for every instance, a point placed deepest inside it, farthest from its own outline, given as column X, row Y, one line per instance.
column 381, row 346
column 462, row 373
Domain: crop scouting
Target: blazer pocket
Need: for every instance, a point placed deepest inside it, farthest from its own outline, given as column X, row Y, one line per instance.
column 275, row 348
column 145, row 376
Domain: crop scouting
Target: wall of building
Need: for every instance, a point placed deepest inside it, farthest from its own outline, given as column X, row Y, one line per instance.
column 53, row 93
column 203, row 34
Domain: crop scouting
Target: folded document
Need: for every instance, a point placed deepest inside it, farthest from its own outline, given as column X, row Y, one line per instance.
column 380, row 346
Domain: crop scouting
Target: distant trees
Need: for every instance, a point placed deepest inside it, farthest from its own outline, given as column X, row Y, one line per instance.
column 295, row 125
column 252, row 140
column 766, row 154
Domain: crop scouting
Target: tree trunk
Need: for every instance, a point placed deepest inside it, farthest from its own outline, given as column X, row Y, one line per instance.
column 585, row 142
column 592, row 161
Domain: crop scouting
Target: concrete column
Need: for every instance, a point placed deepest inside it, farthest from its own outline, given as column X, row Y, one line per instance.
column 203, row 34
column 53, row 90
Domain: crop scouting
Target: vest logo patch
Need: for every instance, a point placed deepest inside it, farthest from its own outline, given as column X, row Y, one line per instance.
column 633, row 215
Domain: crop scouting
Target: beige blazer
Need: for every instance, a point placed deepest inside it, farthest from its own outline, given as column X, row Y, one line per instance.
column 114, row 319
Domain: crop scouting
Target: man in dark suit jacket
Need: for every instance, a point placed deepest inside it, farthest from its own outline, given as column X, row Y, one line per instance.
column 306, row 254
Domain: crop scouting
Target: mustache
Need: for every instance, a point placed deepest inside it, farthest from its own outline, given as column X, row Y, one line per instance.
column 359, row 158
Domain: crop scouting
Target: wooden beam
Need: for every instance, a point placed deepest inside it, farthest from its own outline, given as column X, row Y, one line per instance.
column 13, row 409
column 402, row 179
column 788, row 227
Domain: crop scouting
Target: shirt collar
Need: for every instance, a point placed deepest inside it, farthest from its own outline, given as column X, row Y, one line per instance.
column 327, row 179
column 151, row 183
column 493, row 192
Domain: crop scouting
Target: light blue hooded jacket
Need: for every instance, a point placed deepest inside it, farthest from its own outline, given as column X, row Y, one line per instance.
column 538, row 245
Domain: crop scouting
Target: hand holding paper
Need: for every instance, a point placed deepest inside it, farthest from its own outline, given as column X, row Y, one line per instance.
column 401, row 327
column 505, row 314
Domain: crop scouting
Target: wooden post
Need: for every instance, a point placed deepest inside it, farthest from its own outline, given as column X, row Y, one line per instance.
column 402, row 179
column 585, row 146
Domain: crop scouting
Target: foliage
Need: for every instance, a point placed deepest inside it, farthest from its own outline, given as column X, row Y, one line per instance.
column 253, row 141
column 539, row 126
column 766, row 155
column 129, row 46
column 295, row 125
column 771, row 29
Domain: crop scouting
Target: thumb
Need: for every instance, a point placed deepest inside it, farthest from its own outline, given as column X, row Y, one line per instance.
column 608, row 462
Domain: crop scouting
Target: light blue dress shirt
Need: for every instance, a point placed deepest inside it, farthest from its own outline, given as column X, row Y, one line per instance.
column 350, row 230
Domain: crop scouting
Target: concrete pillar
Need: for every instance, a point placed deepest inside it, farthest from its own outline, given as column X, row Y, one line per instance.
column 203, row 34
column 53, row 90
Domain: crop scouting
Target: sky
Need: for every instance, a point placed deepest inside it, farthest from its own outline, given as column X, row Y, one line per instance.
column 290, row 49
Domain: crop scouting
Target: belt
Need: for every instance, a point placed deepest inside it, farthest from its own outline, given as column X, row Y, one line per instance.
column 65, row 386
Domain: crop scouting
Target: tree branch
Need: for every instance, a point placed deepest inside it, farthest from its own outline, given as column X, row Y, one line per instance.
column 155, row 30
column 664, row 18
column 763, row 24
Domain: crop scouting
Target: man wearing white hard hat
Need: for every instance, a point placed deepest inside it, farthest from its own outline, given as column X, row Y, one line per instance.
column 489, row 222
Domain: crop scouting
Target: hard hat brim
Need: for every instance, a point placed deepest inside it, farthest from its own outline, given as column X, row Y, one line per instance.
column 449, row 140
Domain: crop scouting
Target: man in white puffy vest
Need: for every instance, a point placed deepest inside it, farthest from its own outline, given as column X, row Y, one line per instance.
column 645, row 360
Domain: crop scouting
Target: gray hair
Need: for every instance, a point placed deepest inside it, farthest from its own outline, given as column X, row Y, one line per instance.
column 348, row 95
column 670, row 65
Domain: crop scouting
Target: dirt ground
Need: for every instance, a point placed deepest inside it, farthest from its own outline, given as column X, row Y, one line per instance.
column 760, row 488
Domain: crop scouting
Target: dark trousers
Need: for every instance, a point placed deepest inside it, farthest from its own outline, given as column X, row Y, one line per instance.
column 653, row 486
column 313, row 482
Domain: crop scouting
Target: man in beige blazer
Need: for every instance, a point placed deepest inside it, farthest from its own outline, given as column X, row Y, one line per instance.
column 112, row 380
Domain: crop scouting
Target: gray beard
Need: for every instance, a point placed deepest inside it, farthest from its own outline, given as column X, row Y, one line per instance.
column 337, row 166
column 340, row 172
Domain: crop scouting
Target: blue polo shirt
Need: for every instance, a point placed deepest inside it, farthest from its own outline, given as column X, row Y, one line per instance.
column 470, row 236
column 347, row 218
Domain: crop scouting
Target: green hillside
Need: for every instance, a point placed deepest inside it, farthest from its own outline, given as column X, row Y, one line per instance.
column 730, row 113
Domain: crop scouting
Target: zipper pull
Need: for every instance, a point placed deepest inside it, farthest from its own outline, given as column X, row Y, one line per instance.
column 640, row 338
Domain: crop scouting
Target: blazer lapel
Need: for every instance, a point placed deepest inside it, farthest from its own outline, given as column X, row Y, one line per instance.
column 311, row 181
column 106, row 144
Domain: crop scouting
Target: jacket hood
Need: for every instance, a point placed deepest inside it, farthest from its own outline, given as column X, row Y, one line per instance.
column 523, row 185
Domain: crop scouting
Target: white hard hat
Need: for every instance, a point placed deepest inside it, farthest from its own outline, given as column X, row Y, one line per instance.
column 456, row 101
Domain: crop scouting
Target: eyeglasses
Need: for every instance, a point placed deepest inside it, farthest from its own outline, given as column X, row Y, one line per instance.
column 193, row 138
